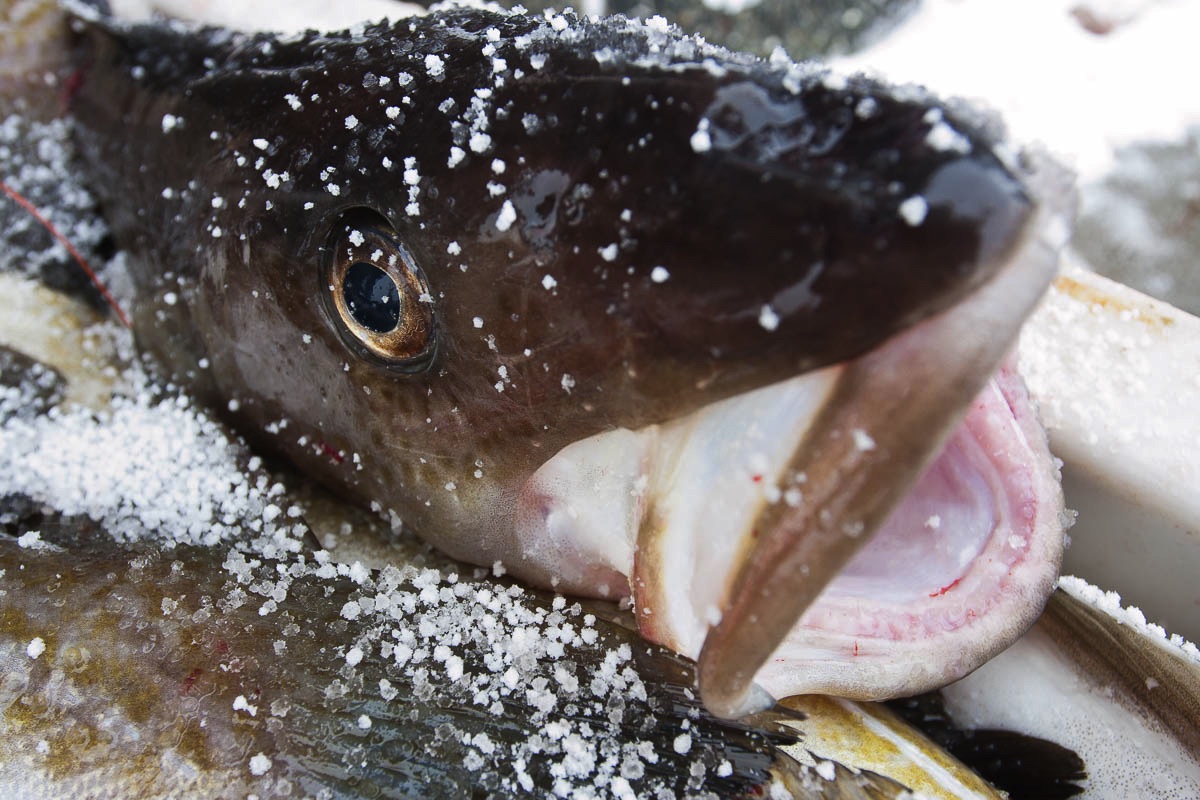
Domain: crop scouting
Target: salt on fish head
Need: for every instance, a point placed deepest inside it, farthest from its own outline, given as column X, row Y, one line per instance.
column 628, row 314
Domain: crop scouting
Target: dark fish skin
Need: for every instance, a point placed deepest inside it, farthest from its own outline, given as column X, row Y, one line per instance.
column 147, row 650
column 219, row 187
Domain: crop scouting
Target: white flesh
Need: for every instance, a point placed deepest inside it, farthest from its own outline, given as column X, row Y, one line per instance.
column 1037, row 687
column 1116, row 376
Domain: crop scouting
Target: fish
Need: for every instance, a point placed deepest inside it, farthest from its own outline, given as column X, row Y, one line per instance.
column 614, row 311
column 233, row 538
column 166, row 680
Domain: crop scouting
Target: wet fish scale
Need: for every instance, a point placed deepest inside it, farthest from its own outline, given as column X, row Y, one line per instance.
column 168, row 678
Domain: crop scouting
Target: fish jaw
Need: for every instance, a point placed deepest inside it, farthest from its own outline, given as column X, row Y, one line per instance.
column 976, row 547
column 766, row 531
column 958, row 571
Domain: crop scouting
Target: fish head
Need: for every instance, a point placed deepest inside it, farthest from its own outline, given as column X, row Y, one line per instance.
column 497, row 274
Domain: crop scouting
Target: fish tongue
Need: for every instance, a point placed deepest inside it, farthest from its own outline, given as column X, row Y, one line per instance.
column 886, row 418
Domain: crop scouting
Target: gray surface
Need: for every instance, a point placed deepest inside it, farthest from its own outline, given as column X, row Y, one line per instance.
column 1140, row 225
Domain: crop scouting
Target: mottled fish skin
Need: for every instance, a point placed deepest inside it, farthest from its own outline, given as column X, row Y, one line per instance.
column 145, row 652
column 768, row 193
column 33, row 58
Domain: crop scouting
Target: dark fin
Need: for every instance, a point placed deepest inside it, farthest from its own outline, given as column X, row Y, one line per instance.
column 1026, row 767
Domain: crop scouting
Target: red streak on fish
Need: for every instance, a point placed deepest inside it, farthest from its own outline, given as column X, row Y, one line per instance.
column 946, row 588
column 79, row 259
column 71, row 86
column 334, row 455
column 191, row 679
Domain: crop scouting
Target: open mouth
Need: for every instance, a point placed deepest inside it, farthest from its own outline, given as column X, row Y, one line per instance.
column 872, row 529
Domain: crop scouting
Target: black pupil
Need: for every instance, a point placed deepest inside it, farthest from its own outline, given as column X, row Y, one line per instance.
column 372, row 297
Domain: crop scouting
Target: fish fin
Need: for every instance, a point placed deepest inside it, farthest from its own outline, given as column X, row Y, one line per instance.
column 1026, row 767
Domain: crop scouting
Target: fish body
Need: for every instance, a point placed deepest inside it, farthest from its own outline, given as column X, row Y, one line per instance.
column 167, row 680
column 488, row 272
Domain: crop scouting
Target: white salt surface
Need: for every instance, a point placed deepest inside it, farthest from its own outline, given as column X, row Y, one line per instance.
column 1131, row 616
column 1079, row 93
column 144, row 468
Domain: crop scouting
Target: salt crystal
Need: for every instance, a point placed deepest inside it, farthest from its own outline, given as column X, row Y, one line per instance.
column 479, row 142
column 863, row 440
column 259, row 764
column 506, row 217
column 351, row 610
column 943, row 138
column 241, row 704
column 914, row 209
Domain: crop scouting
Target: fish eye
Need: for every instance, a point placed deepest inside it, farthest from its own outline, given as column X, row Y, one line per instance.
column 376, row 294
column 372, row 297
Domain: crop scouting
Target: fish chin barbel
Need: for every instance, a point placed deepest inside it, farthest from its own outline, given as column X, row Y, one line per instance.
column 628, row 313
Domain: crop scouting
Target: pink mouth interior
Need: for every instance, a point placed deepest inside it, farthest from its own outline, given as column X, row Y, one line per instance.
column 931, row 539
column 946, row 555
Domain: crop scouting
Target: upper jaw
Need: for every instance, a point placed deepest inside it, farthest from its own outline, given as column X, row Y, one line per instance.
column 732, row 524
